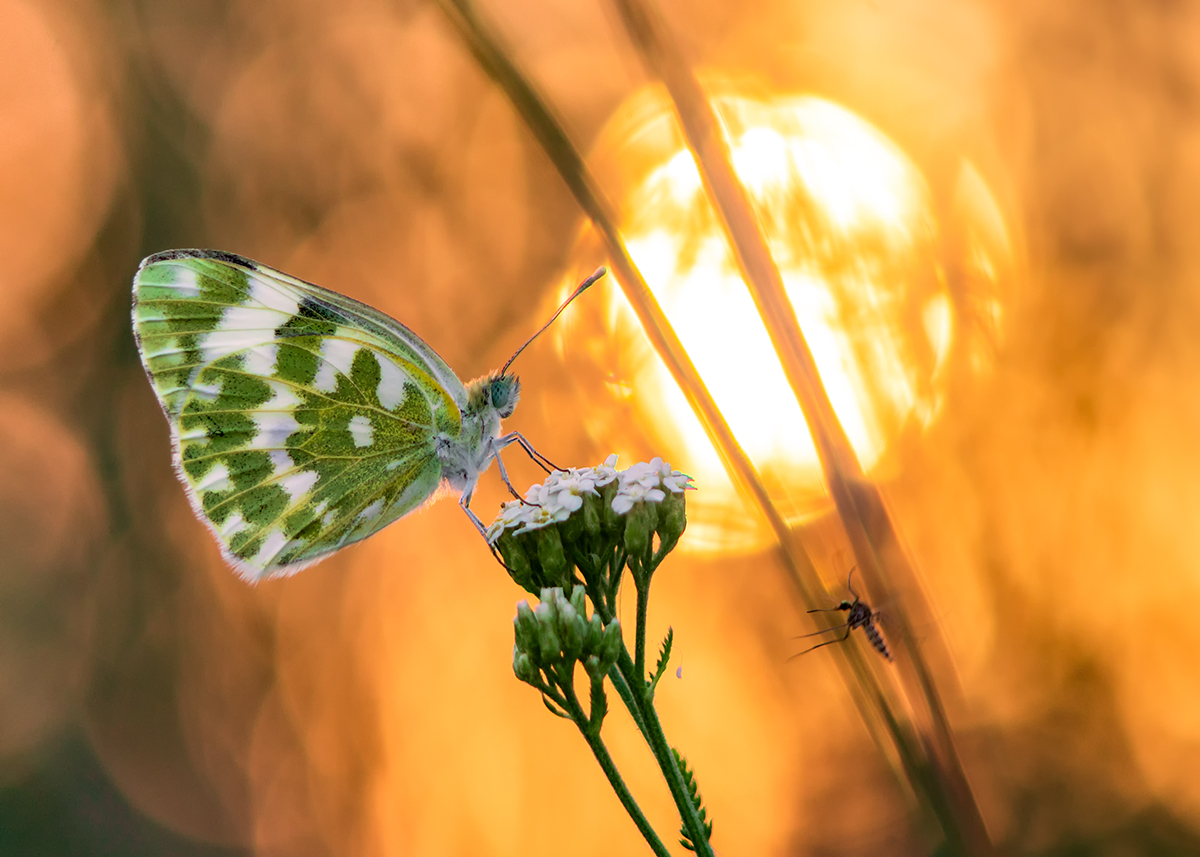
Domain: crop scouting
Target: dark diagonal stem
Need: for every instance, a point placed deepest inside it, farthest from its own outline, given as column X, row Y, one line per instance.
column 884, row 722
column 859, row 504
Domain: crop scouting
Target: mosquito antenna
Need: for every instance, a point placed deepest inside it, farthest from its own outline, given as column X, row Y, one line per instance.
column 597, row 274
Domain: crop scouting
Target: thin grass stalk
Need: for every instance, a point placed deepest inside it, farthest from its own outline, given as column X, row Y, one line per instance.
column 860, row 506
column 883, row 718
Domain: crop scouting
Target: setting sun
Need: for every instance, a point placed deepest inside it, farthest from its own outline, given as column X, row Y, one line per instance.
column 852, row 226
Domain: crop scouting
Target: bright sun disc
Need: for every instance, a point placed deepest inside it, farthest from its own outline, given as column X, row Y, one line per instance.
column 850, row 223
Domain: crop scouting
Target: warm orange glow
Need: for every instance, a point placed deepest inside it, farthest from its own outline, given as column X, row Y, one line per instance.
column 851, row 223
column 1037, row 446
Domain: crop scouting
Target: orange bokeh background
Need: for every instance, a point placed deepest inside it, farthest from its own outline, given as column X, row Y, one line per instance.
column 151, row 703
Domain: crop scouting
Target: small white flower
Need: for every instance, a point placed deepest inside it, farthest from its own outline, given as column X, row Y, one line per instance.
column 537, row 493
column 604, row 473
column 635, row 492
column 511, row 513
column 571, row 501
column 622, row 503
column 562, row 493
column 678, row 482
column 570, row 488
column 642, row 474
column 542, row 516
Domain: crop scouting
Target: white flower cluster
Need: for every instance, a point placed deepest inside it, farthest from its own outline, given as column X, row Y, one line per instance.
column 563, row 491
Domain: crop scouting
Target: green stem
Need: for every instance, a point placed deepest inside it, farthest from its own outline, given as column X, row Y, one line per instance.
column 639, row 641
column 630, row 683
column 607, row 612
column 657, row 741
column 614, row 777
column 626, row 693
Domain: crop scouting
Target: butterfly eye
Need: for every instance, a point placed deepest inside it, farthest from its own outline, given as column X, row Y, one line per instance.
column 504, row 392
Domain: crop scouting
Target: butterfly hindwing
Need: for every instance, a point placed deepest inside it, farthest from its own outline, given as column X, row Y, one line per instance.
column 301, row 420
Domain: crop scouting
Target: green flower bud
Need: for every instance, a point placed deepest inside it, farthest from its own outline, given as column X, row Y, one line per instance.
column 555, row 568
column 549, row 647
column 595, row 634
column 577, row 596
column 572, row 528
column 639, row 524
column 571, row 630
column 525, row 628
column 523, row 667
column 516, row 561
column 595, row 668
column 611, row 644
column 590, row 514
column 672, row 519
column 610, row 522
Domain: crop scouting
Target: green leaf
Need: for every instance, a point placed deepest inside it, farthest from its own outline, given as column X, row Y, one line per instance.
column 664, row 655
column 554, row 709
column 689, row 781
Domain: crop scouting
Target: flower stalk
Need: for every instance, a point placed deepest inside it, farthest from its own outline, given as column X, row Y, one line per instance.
column 885, row 721
column 574, row 536
column 926, row 757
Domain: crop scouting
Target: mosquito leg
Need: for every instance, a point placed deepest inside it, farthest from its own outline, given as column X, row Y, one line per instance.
column 823, row 631
column 819, row 645
column 848, row 580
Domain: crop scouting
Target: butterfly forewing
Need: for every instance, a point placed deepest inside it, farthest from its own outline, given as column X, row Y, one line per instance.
column 301, row 420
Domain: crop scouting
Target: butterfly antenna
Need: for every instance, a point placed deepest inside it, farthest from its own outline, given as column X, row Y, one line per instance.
column 599, row 272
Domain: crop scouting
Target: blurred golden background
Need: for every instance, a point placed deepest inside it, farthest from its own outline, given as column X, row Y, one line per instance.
column 1004, row 279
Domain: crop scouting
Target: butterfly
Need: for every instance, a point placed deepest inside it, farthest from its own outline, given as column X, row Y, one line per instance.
column 301, row 420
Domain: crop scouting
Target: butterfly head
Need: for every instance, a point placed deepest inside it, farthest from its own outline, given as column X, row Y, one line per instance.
column 497, row 392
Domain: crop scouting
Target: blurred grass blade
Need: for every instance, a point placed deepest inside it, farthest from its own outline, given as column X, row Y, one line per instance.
column 884, row 719
column 876, row 546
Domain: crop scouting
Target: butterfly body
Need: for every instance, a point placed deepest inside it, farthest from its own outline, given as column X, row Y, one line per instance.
column 302, row 420
column 465, row 456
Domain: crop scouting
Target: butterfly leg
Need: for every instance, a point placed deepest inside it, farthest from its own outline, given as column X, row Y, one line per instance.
column 542, row 461
column 508, row 482
column 464, row 503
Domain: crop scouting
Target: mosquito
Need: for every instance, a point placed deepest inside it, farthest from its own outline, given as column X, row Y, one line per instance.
column 859, row 616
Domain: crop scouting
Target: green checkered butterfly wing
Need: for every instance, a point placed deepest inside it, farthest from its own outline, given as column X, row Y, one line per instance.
column 301, row 420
